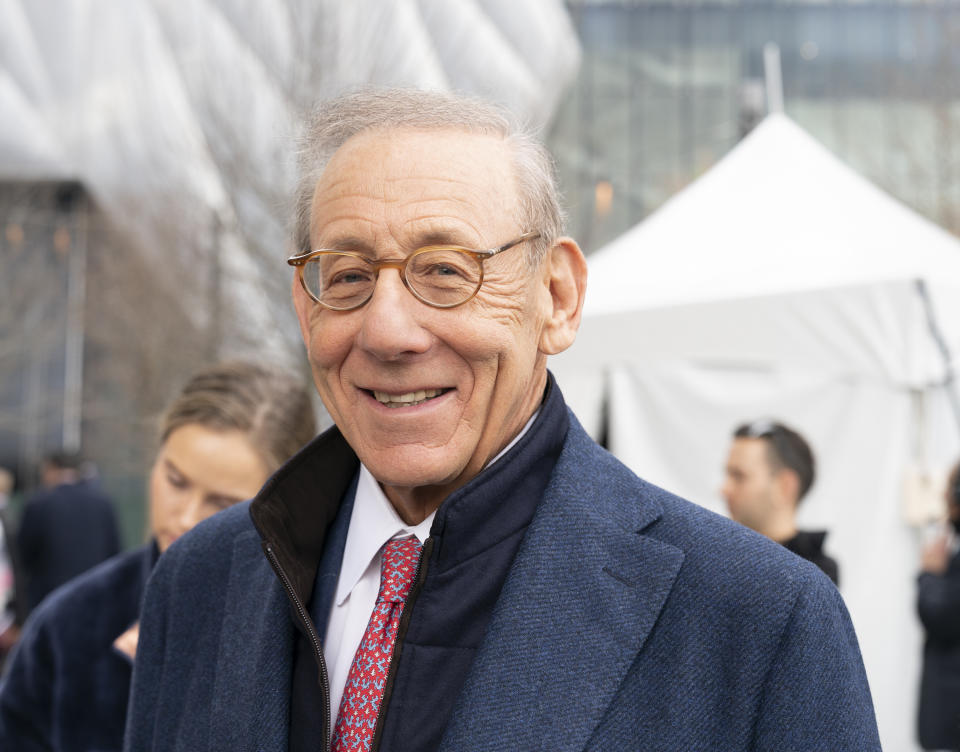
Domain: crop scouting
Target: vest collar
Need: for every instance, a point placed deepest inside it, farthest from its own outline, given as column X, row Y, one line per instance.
column 297, row 505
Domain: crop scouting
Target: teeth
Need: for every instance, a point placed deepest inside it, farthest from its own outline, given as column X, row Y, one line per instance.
column 408, row 399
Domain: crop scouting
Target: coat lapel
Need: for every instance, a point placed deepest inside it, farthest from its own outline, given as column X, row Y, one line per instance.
column 585, row 590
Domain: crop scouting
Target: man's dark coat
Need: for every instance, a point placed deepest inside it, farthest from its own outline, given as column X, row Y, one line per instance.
column 65, row 530
column 66, row 687
column 938, row 602
column 629, row 620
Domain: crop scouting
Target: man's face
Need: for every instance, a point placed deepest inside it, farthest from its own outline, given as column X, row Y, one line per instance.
column 750, row 487
column 951, row 496
column 426, row 396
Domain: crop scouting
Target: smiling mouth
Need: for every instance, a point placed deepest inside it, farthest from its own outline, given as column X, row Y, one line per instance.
column 408, row 399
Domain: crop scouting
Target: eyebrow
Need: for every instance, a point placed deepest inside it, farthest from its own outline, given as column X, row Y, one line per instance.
column 439, row 237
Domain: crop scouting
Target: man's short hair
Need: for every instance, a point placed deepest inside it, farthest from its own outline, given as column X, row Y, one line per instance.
column 64, row 460
column 335, row 121
column 785, row 449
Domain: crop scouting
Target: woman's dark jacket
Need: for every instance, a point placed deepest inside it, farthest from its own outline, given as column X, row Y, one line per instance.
column 938, row 603
column 67, row 686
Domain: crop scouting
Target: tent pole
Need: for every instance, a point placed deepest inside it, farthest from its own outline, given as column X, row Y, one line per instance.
column 949, row 375
column 772, row 76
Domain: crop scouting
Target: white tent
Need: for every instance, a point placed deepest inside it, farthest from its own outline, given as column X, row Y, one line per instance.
column 782, row 284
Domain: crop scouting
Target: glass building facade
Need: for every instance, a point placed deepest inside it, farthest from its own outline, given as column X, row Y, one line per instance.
column 667, row 88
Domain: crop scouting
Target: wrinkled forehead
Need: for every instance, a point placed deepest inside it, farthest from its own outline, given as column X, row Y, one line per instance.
column 407, row 175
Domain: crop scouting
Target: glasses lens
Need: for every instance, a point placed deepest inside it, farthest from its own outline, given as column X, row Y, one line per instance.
column 339, row 280
column 444, row 277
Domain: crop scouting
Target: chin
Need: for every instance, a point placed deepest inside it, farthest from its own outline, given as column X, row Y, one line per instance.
column 413, row 467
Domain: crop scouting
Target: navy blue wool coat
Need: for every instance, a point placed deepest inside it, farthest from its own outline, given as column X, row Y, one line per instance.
column 629, row 620
column 65, row 531
column 66, row 688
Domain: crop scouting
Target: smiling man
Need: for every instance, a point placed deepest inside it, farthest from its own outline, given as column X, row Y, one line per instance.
column 456, row 565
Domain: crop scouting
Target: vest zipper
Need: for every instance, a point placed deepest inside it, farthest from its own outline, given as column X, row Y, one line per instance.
column 311, row 631
column 419, row 575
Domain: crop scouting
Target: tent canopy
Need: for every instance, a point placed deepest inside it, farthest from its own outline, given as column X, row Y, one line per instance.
column 781, row 284
column 779, row 213
column 779, row 256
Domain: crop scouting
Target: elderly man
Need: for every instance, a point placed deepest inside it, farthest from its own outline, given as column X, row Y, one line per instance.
column 456, row 565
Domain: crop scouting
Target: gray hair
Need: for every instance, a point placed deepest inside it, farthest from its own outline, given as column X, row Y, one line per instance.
column 335, row 121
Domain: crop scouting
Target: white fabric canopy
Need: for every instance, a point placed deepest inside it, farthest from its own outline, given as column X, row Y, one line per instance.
column 781, row 284
column 779, row 213
column 178, row 117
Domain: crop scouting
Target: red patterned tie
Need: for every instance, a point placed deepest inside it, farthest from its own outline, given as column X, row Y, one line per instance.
column 360, row 704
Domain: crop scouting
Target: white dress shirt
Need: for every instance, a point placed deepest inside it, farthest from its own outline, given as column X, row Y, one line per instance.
column 373, row 522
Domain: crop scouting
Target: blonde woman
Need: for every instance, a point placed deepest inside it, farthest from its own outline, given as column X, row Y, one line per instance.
column 223, row 435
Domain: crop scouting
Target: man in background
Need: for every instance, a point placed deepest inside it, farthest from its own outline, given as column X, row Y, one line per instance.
column 67, row 528
column 770, row 469
column 938, row 604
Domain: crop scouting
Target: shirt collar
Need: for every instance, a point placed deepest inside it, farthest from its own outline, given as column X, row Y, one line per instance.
column 373, row 522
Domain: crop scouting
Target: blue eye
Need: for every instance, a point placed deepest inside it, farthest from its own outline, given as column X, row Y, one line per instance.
column 352, row 276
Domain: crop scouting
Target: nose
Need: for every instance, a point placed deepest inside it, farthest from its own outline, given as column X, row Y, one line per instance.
column 726, row 490
column 189, row 513
column 392, row 326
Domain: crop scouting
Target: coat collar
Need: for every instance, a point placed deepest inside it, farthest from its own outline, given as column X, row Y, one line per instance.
column 585, row 590
column 295, row 508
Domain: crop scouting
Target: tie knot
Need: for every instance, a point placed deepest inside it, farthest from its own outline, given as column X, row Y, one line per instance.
column 400, row 558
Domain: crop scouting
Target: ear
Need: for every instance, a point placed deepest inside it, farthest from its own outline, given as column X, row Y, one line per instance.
column 788, row 484
column 304, row 306
column 565, row 275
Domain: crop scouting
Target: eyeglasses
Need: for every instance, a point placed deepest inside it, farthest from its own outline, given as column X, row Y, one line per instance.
column 442, row 276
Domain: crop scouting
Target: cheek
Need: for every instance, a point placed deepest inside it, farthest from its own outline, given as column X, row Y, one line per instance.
column 164, row 501
column 500, row 330
column 328, row 345
column 502, row 356
column 738, row 489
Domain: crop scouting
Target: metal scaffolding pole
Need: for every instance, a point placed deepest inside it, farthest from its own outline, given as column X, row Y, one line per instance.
column 76, row 304
column 949, row 375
